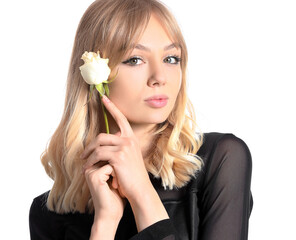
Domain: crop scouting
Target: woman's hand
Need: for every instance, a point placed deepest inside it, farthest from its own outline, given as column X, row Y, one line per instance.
column 108, row 203
column 122, row 152
column 106, row 199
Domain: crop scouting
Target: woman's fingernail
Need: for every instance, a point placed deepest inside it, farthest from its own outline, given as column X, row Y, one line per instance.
column 106, row 99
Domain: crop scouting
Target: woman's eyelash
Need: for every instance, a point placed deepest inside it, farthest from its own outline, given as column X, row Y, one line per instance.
column 130, row 59
column 177, row 59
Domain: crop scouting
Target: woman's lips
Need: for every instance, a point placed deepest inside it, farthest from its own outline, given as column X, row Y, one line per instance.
column 157, row 101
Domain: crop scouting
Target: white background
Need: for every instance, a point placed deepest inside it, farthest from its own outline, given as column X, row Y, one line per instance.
column 242, row 58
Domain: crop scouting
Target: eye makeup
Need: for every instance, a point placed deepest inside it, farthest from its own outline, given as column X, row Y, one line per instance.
column 131, row 60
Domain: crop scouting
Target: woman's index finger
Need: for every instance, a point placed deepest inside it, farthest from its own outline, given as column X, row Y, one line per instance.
column 118, row 116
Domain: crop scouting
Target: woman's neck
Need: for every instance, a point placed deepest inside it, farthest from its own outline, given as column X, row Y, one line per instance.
column 143, row 133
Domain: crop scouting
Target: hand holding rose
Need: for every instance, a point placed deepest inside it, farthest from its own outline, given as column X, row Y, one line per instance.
column 123, row 153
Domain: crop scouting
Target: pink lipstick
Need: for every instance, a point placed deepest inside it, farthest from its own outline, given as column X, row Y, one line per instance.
column 157, row 101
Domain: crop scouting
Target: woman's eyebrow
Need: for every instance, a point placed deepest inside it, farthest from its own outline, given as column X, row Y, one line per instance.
column 142, row 47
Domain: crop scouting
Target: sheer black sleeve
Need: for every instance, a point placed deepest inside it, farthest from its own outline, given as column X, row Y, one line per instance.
column 226, row 201
column 162, row 230
column 224, row 197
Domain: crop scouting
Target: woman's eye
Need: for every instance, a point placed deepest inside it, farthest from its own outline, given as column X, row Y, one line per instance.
column 172, row 59
column 133, row 61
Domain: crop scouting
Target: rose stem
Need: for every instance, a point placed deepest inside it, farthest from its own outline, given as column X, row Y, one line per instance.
column 105, row 117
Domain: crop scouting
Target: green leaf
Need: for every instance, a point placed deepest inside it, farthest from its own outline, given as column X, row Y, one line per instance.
column 106, row 89
column 91, row 88
column 100, row 89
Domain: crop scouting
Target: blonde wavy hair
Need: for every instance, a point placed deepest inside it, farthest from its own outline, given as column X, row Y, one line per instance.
column 113, row 28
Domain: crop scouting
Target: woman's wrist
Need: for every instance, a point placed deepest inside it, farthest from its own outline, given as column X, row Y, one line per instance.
column 148, row 209
column 103, row 229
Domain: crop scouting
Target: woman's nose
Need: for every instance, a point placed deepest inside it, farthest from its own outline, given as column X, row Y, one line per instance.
column 157, row 76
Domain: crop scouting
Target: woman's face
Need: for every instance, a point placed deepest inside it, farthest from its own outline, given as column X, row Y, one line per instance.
column 151, row 70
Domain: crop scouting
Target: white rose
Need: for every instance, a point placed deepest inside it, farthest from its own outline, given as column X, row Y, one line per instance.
column 95, row 69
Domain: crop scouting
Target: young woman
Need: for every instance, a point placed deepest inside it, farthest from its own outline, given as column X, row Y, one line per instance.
column 153, row 176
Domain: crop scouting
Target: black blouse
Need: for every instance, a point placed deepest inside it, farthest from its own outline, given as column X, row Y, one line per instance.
column 216, row 205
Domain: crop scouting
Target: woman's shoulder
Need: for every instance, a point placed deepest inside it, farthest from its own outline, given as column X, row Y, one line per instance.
column 225, row 152
column 38, row 205
column 39, row 209
column 40, row 218
column 217, row 141
column 217, row 136
column 47, row 224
